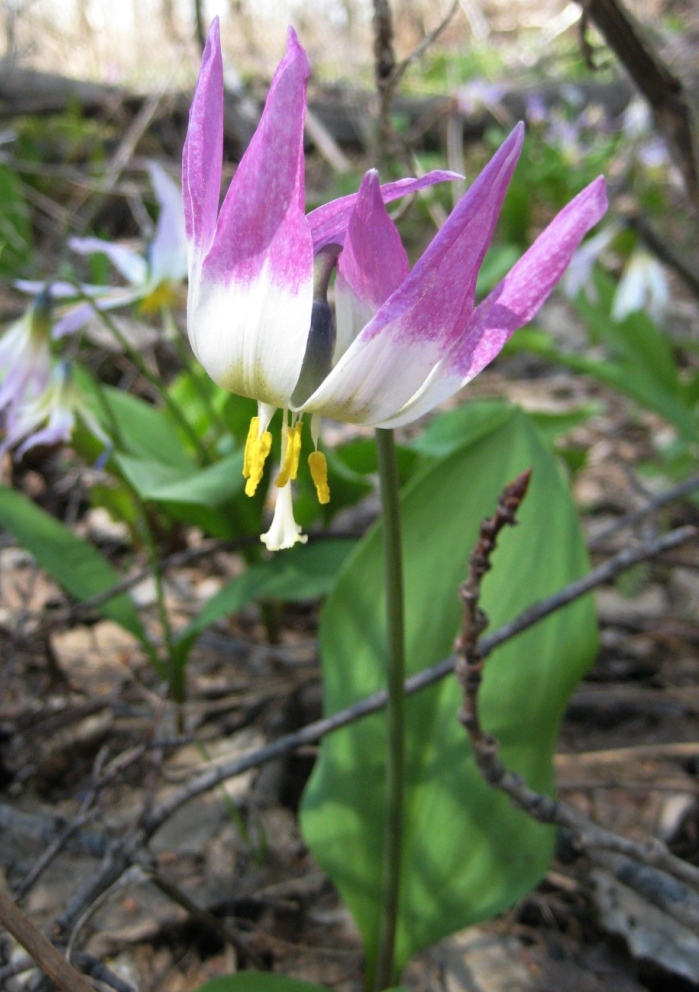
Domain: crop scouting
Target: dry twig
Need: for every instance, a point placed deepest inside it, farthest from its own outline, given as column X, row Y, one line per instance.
column 590, row 837
column 50, row 960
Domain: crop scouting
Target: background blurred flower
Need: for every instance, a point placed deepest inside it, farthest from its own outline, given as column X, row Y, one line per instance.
column 154, row 277
column 49, row 417
column 643, row 286
column 25, row 355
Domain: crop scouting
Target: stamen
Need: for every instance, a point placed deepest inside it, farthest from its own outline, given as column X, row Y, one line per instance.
column 292, row 454
column 256, row 451
column 250, row 443
column 319, row 473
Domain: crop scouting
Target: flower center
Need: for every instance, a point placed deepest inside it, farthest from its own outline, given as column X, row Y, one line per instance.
column 258, row 446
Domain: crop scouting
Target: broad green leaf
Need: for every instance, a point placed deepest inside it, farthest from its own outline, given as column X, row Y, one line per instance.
column 551, row 424
column 468, row 853
column 629, row 374
column 462, row 426
column 211, row 498
column 306, row 572
column 137, row 428
column 214, row 485
column 72, row 562
column 641, row 363
column 194, row 392
column 635, row 340
column 360, row 456
column 258, row 981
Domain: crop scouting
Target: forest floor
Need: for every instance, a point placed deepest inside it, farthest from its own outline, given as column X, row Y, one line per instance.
column 88, row 742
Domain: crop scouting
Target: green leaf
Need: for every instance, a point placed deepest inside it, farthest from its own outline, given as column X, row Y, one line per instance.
column 306, row 572
column 72, row 562
column 258, row 981
column 212, row 486
column 635, row 340
column 211, row 497
column 551, row 424
column 15, row 225
column 464, row 425
column 137, row 428
column 640, row 364
column 360, row 456
column 468, row 853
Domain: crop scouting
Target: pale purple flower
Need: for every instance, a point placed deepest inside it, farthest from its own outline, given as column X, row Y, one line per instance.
column 49, row 416
column 637, row 119
column 643, row 286
column 25, row 355
column 653, row 154
column 477, row 95
column 165, row 259
column 536, row 108
column 153, row 277
column 405, row 340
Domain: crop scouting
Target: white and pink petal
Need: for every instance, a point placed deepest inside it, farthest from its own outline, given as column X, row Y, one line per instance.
column 419, row 323
column 249, row 309
column 202, row 159
column 511, row 305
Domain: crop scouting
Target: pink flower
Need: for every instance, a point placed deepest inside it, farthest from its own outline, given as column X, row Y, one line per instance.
column 405, row 340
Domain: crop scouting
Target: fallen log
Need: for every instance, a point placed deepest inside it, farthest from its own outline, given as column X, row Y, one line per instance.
column 344, row 113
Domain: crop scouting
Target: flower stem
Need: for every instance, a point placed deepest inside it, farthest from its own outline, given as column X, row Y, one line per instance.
column 395, row 759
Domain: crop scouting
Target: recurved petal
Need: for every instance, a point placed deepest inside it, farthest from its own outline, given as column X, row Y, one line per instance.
column 59, row 428
column 132, row 266
column 419, row 323
column 59, row 290
column 202, row 158
column 329, row 221
column 78, row 316
column 167, row 253
column 512, row 304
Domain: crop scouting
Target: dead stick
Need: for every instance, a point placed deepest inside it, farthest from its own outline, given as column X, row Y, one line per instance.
column 469, row 669
column 42, row 950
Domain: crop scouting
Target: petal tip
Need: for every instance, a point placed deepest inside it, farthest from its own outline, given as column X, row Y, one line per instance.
column 295, row 50
column 213, row 38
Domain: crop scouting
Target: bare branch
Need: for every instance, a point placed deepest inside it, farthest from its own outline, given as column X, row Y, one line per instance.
column 50, row 960
column 589, row 835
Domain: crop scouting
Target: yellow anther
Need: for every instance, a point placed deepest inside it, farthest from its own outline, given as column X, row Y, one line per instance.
column 250, row 444
column 290, row 468
column 256, row 451
column 319, row 473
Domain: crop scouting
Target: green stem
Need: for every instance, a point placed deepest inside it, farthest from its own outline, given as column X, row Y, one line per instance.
column 395, row 756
